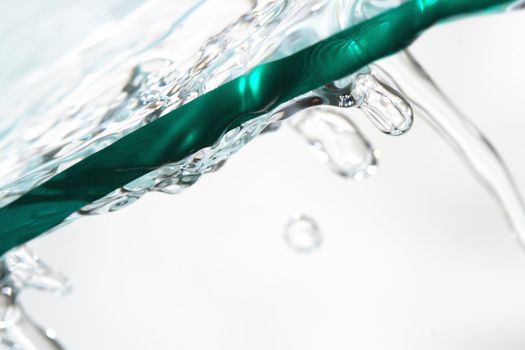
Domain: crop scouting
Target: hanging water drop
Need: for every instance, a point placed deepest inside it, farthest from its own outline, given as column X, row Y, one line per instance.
column 337, row 142
column 388, row 109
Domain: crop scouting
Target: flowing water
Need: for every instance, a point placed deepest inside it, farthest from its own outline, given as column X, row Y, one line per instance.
column 460, row 133
column 111, row 100
column 101, row 101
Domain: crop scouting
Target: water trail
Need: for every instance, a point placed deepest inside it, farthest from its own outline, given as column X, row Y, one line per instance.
column 337, row 142
column 302, row 234
column 20, row 269
column 404, row 72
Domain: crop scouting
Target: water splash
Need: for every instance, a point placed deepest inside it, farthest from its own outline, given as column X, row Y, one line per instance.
column 110, row 102
column 302, row 234
column 385, row 107
column 391, row 115
column 150, row 91
column 112, row 105
column 154, row 88
column 20, row 269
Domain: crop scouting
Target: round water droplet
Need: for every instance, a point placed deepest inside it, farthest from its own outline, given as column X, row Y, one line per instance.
column 302, row 234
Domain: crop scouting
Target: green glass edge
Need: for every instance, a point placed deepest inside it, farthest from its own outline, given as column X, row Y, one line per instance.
column 201, row 122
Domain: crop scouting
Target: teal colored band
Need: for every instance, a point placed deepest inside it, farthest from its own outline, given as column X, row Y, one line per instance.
column 200, row 123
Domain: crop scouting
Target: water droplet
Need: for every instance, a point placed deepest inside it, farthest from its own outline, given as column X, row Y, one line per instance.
column 337, row 142
column 302, row 234
column 388, row 110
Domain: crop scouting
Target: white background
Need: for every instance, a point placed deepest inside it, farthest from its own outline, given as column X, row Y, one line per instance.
column 417, row 257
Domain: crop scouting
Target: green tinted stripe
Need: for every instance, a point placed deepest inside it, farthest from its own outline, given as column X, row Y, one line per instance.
column 201, row 122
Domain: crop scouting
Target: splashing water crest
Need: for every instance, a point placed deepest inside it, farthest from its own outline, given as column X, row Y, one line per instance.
column 58, row 137
column 113, row 105
column 156, row 87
